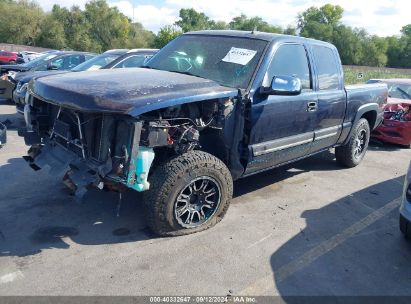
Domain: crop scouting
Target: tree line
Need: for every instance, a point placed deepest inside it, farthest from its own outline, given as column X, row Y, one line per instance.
column 99, row 27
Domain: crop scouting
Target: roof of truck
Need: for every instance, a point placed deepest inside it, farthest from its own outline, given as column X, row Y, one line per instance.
column 258, row 35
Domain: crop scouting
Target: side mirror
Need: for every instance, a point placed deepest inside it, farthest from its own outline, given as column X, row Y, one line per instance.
column 284, row 85
column 52, row 67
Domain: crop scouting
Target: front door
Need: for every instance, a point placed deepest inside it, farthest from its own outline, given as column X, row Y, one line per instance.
column 282, row 127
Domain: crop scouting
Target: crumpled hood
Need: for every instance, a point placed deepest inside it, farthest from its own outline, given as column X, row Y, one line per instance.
column 130, row 91
column 25, row 77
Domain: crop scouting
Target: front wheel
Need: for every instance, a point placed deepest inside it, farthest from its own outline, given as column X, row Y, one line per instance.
column 188, row 194
column 352, row 153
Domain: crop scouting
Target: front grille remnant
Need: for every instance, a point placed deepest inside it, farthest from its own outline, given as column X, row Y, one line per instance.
column 88, row 135
column 69, row 135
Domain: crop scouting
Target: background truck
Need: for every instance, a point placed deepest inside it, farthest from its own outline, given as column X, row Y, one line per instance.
column 209, row 108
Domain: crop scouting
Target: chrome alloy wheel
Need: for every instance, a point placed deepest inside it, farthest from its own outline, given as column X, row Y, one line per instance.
column 360, row 143
column 197, row 202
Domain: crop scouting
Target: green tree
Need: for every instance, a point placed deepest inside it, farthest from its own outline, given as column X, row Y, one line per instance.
column 327, row 14
column 77, row 28
column 20, row 21
column 191, row 20
column 406, row 46
column 375, row 49
column 349, row 44
column 290, row 30
column 108, row 27
column 243, row 23
column 220, row 25
column 51, row 34
column 320, row 23
column 165, row 35
column 139, row 37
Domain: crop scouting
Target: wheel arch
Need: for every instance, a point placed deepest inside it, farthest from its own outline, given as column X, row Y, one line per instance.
column 369, row 112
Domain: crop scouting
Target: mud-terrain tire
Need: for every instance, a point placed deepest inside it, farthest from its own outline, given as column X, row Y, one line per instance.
column 352, row 153
column 179, row 200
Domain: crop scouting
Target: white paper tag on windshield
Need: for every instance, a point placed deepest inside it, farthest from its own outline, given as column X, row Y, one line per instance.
column 239, row 56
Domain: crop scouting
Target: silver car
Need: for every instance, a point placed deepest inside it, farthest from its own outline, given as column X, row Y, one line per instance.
column 405, row 209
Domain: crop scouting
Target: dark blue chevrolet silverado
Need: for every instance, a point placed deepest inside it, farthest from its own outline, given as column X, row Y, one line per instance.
column 209, row 108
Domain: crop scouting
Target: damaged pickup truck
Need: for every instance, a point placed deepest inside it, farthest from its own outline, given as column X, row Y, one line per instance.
column 209, row 108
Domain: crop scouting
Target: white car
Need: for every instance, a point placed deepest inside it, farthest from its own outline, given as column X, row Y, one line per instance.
column 29, row 56
column 405, row 209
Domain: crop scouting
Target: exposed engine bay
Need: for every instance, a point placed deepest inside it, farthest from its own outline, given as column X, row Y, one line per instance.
column 113, row 151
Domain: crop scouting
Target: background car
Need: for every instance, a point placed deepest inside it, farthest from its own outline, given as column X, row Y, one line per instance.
column 27, row 56
column 55, row 60
column 132, row 59
column 61, row 60
column 7, row 57
column 396, row 126
column 405, row 209
column 112, row 59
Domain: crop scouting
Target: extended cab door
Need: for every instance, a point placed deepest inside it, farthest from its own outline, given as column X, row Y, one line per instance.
column 330, row 112
column 282, row 126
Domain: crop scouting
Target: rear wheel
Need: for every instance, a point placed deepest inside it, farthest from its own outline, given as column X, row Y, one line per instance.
column 352, row 153
column 12, row 62
column 188, row 194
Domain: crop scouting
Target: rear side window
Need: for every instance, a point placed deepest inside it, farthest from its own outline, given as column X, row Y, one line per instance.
column 327, row 68
column 291, row 60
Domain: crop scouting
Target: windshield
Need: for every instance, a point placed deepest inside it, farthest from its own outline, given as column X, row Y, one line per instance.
column 40, row 60
column 398, row 90
column 96, row 62
column 230, row 61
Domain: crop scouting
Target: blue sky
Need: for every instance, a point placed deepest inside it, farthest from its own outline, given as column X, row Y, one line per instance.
column 381, row 17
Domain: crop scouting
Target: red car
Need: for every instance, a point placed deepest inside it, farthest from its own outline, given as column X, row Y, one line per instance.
column 7, row 57
column 396, row 126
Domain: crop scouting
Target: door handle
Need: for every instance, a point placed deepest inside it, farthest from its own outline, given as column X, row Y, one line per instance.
column 312, row 106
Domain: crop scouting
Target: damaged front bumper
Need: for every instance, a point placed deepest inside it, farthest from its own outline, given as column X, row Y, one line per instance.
column 86, row 150
column 396, row 132
column 396, row 126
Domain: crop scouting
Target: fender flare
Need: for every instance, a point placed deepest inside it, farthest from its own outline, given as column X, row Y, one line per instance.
column 369, row 107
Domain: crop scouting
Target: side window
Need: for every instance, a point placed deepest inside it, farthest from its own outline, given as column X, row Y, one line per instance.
column 327, row 68
column 73, row 61
column 58, row 63
column 291, row 60
column 132, row 62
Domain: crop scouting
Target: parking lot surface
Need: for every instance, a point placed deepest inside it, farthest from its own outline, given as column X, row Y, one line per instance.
column 310, row 228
